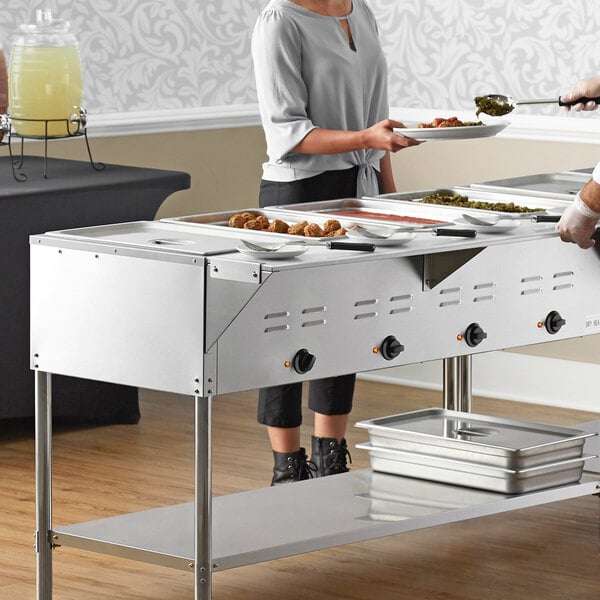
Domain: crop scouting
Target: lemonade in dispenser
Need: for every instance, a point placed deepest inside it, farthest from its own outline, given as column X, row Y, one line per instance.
column 44, row 76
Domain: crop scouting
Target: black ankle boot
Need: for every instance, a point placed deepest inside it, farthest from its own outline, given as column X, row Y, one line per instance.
column 291, row 467
column 329, row 456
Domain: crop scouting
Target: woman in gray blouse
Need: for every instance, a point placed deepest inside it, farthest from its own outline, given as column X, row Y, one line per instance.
column 321, row 79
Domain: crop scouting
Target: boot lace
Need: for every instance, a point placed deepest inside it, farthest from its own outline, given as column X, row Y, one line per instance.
column 303, row 467
column 335, row 460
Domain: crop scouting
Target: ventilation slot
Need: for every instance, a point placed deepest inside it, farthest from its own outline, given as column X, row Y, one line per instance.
column 484, row 286
column 277, row 328
column 401, row 309
column 454, row 302
column 484, row 298
column 278, row 315
column 365, row 315
column 531, row 291
column 532, row 279
column 567, row 285
column 314, row 309
column 365, row 302
column 313, row 323
column 450, row 303
column 564, row 286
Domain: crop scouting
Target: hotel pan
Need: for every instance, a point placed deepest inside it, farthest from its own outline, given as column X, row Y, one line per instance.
column 408, row 203
column 493, row 441
column 531, row 201
column 456, row 472
column 218, row 222
column 563, row 185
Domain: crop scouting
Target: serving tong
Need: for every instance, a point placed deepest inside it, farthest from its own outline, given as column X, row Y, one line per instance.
column 441, row 231
column 332, row 245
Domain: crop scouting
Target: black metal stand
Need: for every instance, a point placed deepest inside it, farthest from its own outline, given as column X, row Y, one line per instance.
column 74, row 127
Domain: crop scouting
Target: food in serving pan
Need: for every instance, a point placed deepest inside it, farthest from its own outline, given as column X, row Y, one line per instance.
column 248, row 220
column 379, row 216
column 448, row 122
column 464, row 202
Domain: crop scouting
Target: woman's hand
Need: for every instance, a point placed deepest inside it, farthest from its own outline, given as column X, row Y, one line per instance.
column 381, row 136
column 584, row 88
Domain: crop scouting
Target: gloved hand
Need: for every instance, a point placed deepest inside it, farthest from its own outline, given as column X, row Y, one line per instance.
column 578, row 224
column 589, row 88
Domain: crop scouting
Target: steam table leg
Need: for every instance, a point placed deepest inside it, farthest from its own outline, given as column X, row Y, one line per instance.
column 203, row 500
column 43, row 484
column 457, row 383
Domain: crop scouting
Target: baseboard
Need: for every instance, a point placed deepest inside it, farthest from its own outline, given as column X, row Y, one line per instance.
column 511, row 376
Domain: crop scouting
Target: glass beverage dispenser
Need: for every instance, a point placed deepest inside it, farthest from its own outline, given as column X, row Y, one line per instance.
column 44, row 77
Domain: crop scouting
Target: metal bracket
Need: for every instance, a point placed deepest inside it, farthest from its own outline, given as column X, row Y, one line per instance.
column 440, row 265
column 234, row 270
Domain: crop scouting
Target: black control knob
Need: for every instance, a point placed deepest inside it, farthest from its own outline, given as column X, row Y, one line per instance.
column 554, row 322
column 303, row 361
column 474, row 335
column 391, row 347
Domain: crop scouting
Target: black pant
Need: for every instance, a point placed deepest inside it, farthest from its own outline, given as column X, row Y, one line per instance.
column 281, row 405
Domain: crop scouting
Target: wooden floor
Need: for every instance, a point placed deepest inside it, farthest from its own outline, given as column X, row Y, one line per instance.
column 549, row 553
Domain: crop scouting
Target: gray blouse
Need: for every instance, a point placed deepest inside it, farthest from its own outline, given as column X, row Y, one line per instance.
column 307, row 76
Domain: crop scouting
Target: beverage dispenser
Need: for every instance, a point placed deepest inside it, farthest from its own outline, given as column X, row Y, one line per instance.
column 44, row 77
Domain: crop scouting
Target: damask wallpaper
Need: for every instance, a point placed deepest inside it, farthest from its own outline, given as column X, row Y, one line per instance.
column 149, row 55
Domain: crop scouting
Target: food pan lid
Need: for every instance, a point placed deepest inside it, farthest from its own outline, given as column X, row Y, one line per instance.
column 445, row 426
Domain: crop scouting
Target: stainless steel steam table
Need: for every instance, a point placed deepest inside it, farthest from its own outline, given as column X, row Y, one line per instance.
column 99, row 300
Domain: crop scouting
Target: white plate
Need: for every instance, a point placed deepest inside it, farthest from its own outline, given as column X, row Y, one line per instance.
column 452, row 133
column 502, row 226
column 397, row 239
column 285, row 252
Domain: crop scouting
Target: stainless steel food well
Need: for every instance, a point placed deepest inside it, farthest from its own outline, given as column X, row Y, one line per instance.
column 486, row 440
column 218, row 223
column 561, row 186
column 457, row 472
column 410, row 205
column 533, row 202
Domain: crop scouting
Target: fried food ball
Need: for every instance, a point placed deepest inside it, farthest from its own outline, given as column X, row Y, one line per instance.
column 237, row 220
column 278, row 226
column 298, row 228
column 264, row 222
column 331, row 225
column 313, row 230
column 249, row 215
column 253, row 224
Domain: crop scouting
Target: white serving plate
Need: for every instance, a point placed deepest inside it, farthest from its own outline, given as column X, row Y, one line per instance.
column 452, row 133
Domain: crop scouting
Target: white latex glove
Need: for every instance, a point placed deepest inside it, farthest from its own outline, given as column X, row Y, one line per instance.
column 578, row 224
column 589, row 88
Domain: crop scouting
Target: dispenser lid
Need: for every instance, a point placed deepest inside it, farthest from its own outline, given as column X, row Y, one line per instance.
column 45, row 31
